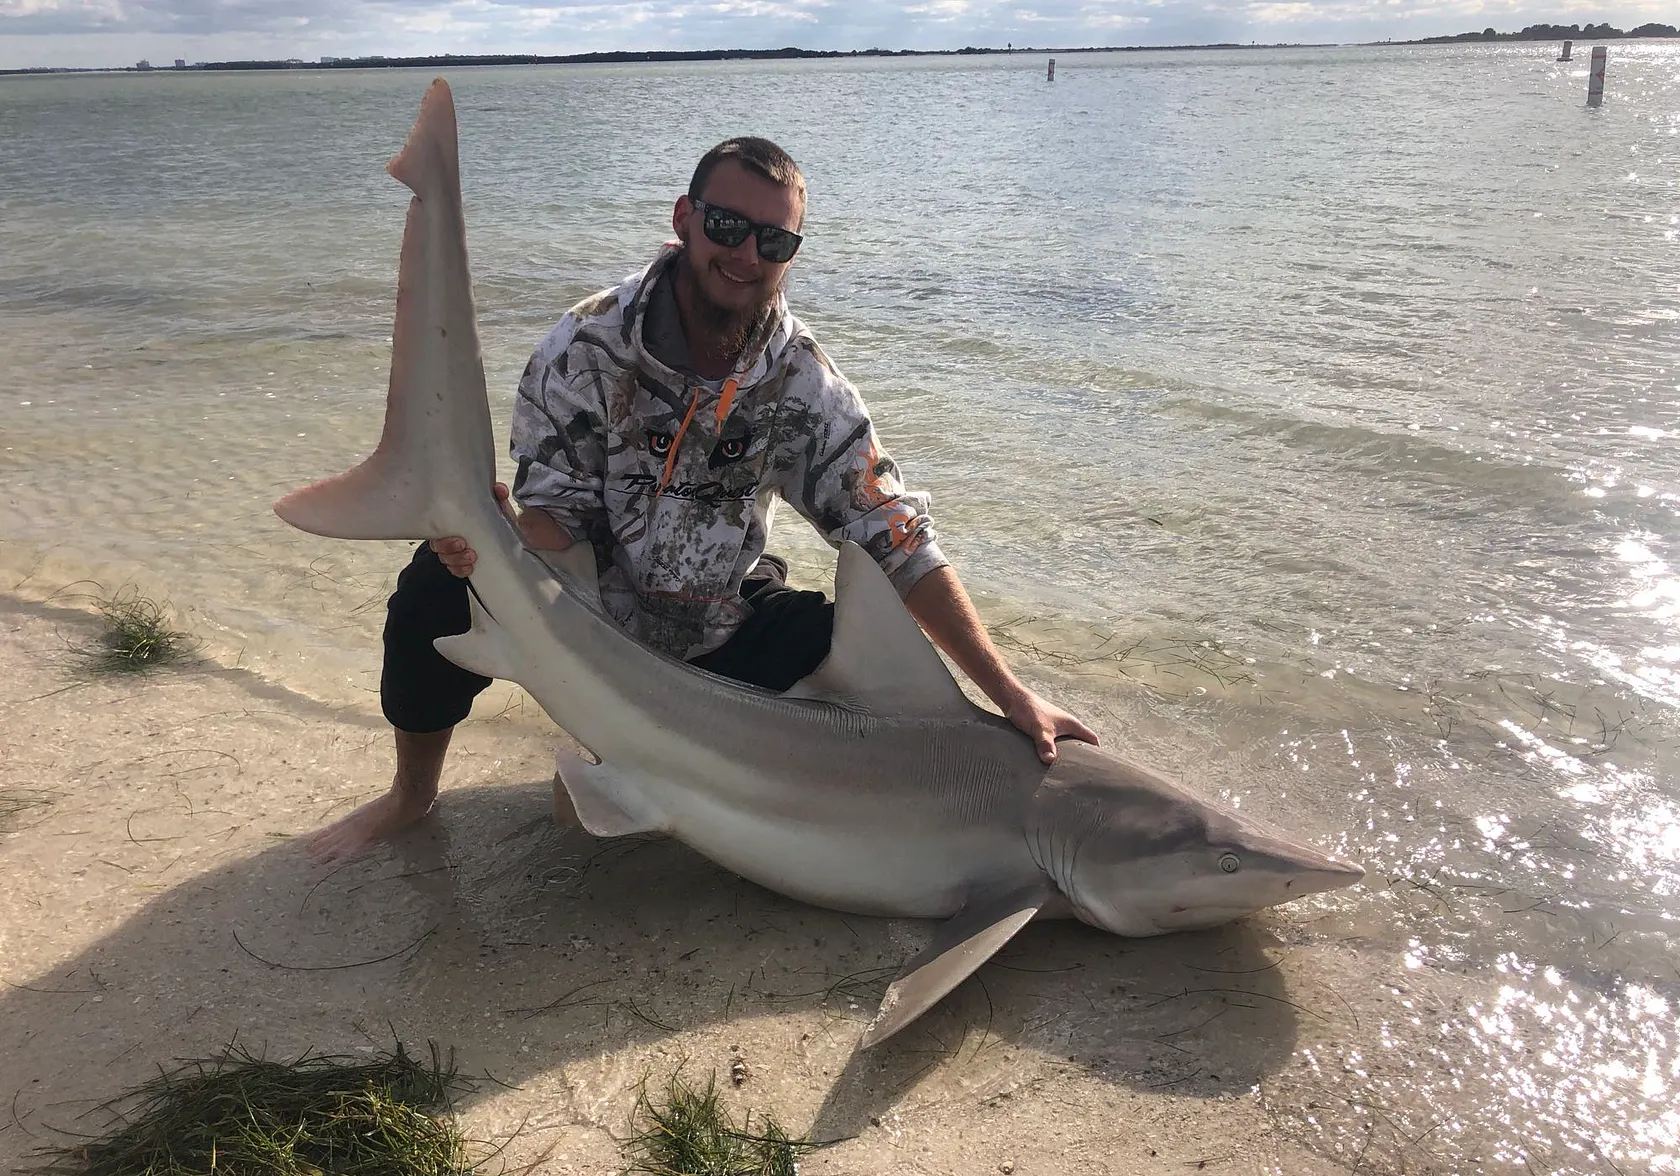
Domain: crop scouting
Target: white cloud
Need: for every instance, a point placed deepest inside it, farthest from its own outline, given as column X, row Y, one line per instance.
column 940, row 9
column 108, row 32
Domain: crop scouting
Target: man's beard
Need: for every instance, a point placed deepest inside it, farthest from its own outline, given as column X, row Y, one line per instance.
column 731, row 328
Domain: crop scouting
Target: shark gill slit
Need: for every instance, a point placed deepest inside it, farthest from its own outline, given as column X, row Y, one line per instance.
column 1073, row 860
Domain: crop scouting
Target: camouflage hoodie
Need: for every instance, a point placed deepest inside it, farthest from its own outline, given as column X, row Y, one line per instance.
column 675, row 480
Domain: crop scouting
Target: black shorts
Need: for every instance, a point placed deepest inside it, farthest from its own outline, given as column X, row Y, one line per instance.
column 784, row 638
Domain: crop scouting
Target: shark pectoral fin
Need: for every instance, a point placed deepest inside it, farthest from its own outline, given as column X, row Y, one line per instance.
column 487, row 648
column 960, row 945
column 608, row 803
column 880, row 660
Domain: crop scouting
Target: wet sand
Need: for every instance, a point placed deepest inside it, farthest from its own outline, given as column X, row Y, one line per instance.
column 162, row 906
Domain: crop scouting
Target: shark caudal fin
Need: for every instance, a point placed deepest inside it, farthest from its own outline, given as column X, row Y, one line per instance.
column 435, row 458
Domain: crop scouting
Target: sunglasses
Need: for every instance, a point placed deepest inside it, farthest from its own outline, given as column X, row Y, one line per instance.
column 729, row 228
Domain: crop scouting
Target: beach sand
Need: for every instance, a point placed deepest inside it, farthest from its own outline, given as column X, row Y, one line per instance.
column 161, row 905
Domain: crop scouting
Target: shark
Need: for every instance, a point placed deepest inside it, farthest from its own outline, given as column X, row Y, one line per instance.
column 874, row 786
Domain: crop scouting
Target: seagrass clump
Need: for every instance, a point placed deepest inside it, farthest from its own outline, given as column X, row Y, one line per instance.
column 689, row 1132
column 136, row 636
column 241, row 1115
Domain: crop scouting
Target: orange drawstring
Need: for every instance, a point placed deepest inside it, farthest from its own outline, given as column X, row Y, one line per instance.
column 671, row 457
column 725, row 398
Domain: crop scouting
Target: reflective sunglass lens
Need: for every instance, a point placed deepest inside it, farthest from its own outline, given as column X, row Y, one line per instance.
column 776, row 245
column 726, row 228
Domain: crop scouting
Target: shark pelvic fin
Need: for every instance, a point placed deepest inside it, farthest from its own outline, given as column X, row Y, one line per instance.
column 960, row 945
column 608, row 803
column 487, row 648
column 880, row 660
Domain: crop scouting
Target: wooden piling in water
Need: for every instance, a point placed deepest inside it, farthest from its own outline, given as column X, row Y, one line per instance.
column 1595, row 75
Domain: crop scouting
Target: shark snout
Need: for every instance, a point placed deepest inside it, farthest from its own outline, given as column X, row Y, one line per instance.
column 1294, row 868
column 1330, row 874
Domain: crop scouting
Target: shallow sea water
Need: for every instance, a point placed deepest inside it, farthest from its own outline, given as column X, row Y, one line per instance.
column 1306, row 420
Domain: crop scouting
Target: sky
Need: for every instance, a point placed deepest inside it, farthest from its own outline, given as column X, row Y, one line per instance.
column 101, row 33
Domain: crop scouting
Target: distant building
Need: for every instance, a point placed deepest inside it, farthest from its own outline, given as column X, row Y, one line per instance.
column 142, row 65
column 180, row 63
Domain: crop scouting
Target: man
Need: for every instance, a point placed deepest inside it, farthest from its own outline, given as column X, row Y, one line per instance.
column 661, row 421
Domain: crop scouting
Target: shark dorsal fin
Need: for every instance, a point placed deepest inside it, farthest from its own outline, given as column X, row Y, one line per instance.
column 880, row 660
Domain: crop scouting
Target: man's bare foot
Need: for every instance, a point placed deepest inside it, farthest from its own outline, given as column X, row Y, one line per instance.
column 374, row 821
column 413, row 789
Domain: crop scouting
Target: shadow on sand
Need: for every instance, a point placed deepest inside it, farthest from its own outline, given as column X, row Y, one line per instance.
column 547, row 958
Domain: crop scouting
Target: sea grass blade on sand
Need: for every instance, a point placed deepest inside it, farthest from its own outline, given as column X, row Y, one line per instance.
column 241, row 1115
column 690, row 1133
column 14, row 802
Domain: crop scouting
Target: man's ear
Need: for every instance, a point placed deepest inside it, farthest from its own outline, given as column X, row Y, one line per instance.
column 679, row 217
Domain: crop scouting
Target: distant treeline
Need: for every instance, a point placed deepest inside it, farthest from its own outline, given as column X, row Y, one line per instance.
column 1551, row 32
column 1545, row 32
column 622, row 55
column 456, row 60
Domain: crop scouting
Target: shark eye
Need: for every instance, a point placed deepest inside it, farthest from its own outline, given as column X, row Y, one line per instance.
column 1230, row 863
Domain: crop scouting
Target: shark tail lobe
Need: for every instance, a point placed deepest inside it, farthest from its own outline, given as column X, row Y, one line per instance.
column 431, row 153
column 372, row 501
column 435, row 452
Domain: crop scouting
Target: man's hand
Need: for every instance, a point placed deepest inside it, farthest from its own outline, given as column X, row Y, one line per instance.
column 538, row 530
column 1043, row 723
column 454, row 554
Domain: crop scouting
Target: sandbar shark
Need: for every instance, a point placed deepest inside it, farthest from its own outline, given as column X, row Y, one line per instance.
column 873, row 786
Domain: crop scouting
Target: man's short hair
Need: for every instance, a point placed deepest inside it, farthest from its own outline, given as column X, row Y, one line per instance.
column 756, row 155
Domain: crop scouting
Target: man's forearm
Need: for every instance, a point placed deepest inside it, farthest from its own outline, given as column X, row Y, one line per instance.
column 540, row 531
column 944, row 611
column 941, row 606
